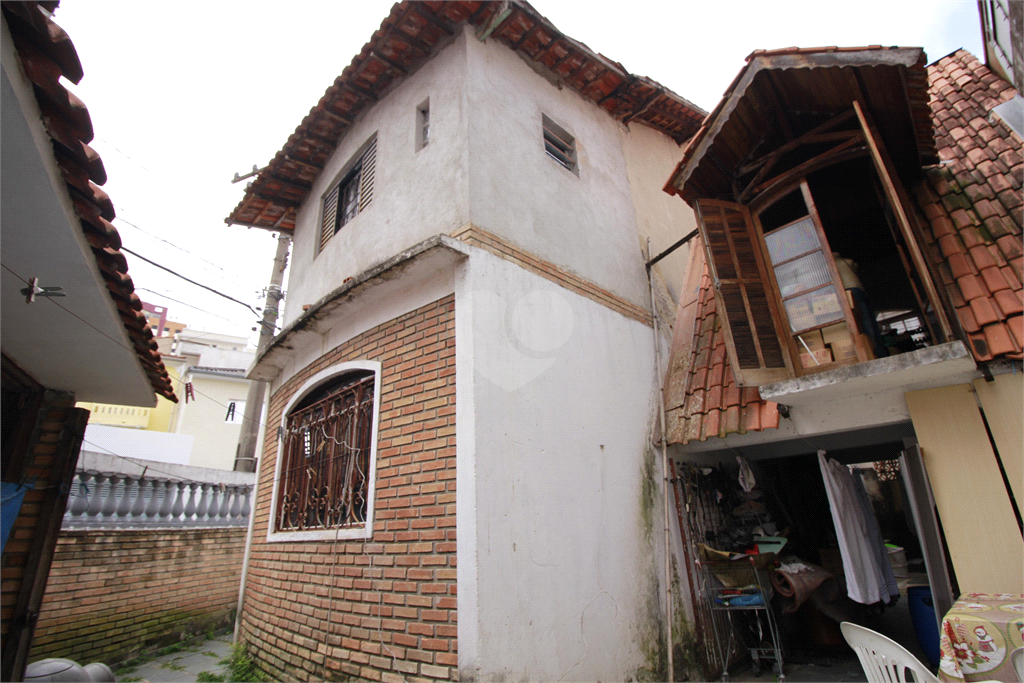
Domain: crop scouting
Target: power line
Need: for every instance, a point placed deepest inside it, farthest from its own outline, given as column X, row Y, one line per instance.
column 146, row 289
column 146, row 232
column 126, row 348
column 211, row 289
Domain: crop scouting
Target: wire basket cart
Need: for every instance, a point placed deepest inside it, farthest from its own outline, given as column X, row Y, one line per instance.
column 742, row 585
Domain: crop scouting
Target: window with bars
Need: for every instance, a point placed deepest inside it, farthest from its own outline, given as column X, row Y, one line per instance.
column 326, row 457
column 559, row 145
column 351, row 196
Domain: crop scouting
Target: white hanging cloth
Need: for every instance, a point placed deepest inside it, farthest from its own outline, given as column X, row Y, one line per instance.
column 869, row 576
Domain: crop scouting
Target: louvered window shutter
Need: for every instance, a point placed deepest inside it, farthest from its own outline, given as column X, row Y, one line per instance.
column 749, row 319
column 366, row 182
column 330, row 217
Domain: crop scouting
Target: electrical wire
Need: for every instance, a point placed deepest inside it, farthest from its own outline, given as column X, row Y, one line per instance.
column 202, row 310
column 146, row 232
column 172, row 272
column 123, row 346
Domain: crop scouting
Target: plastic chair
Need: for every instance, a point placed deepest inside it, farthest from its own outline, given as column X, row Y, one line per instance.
column 1017, row 660
column 883, row 659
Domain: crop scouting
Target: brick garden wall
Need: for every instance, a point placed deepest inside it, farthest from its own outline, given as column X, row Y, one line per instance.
column 391, row 612
column 115, row 592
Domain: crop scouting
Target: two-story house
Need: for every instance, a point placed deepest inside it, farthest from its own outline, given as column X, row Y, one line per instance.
column 857, row 290
column 458, row 480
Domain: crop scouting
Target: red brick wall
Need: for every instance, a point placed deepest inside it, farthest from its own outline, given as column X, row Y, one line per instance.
column 392, row 610
column 114, row 592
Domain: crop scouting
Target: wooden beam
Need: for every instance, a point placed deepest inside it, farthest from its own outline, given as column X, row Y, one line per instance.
column 434, row 19
column 773, row 98
column 811, row 136
column 897, row 196
column 802, row 169
column 390, row 62
column 300, row 162
column 290, row 184
column 526, row 36
column 283, row 203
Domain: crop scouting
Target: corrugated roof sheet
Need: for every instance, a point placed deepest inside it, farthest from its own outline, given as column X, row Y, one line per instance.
column 973, row 203
column 47, row 54
column 407, row 37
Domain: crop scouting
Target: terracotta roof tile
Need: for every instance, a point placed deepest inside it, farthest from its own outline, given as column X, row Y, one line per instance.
column 979, row 192
column 47, row 54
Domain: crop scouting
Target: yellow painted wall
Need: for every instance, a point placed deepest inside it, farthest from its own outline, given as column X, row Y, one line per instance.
column 117, row 416
column 1003, row 403
column 982, row 535
column 160, row 417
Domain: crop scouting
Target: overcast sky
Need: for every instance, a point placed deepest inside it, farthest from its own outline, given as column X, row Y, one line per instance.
column 182, row 95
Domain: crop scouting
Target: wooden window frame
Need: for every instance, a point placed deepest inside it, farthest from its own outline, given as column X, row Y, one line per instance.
column 362, row 528
column 360, row 171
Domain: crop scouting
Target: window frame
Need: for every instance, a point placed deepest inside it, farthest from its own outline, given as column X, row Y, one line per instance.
column 361, row 170
column 364, row 530
column 558, row 133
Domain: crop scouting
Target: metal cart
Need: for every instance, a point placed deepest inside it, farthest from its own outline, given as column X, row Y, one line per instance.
column 736, row 586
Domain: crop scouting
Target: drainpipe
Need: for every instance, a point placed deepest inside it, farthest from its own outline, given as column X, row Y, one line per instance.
column 664, row 469
column 248, row 548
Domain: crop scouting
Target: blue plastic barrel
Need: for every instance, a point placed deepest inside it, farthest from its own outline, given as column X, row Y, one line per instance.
column 922, row 613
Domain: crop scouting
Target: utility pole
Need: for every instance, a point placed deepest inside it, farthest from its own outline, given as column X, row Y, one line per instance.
column 245, row 455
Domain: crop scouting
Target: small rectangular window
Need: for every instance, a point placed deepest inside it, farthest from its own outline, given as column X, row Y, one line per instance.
column 559, row 145
column 351, row 196
column 423, row 124
column 236, row 410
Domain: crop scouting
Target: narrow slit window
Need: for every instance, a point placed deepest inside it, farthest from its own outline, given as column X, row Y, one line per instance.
column 423, row 125
column 559, row 145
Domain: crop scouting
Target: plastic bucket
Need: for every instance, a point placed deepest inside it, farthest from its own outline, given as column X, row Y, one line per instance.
column 922, row 613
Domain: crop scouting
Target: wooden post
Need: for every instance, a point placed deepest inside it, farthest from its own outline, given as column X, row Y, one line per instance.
column 894, row 192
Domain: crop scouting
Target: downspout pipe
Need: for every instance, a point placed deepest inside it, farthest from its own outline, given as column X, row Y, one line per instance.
column 664, row 467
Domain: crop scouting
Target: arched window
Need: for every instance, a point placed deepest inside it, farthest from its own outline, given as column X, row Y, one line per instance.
column 326, row 457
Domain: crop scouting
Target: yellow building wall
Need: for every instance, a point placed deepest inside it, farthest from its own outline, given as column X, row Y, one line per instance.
column 160, row 417
column 117, row 416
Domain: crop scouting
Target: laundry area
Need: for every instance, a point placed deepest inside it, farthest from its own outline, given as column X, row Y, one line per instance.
column 785, row 542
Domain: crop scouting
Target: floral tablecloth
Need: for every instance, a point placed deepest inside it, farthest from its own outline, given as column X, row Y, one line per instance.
column 978, row 634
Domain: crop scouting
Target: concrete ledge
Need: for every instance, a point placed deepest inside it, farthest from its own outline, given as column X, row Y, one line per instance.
column 940, row 365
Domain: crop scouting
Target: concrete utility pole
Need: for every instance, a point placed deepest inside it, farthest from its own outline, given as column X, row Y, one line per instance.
column 245, row 455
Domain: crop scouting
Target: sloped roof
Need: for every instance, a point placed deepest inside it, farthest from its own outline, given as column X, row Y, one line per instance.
column 407, row 38
column 783, row 93
column 47, row 54
column 973, row 204
column 703, row 400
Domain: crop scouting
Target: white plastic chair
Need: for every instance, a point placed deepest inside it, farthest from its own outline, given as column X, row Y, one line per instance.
column 883, row 659
column 1017, row 660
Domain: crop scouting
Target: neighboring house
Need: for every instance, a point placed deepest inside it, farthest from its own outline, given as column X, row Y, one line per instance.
column 202, row 430
column 92, row 344
column 863, row 155
column 1002, row 25
column 458, row 479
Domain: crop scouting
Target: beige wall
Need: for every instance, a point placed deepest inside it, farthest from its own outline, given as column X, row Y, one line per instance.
column 203, row 418
column 974, row 506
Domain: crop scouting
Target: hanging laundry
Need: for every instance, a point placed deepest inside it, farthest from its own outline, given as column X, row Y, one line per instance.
column 869, row 576
column 747, row 482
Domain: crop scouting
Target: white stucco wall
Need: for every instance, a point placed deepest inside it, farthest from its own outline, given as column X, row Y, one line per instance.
column 584, row 223
column 416, row 194
column 554, row 401
column 215, row 440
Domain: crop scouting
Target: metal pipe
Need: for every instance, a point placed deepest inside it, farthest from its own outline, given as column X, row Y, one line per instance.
column 664, row 465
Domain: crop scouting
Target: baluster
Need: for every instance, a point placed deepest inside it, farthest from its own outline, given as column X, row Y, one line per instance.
column 168, row 502
column 179, row 501
column 247, row 505
column 236, row 503
column 110, row 501
column 225, row 503
column 139, row 506
column 96, row 497
column 156, row 500
column 124, row 506
column 204, row 503
column 189, row 489
column 78, row 502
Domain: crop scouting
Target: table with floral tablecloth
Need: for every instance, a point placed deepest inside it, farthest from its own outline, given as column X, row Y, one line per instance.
column 978, row 634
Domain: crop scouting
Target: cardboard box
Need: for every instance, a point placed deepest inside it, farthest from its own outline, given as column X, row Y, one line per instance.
column 823, row 357
column 838, row 338
column 812, row 342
